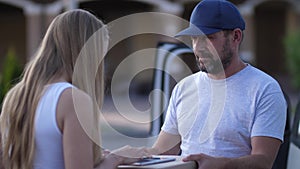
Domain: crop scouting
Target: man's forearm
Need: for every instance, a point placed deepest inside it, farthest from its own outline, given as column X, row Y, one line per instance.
column 167, row 144
column 249, row 162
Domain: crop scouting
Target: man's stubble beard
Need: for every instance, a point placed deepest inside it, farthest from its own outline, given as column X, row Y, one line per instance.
column 215, row 66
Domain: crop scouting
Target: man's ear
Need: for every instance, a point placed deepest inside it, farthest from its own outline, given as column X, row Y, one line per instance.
column 237, row 34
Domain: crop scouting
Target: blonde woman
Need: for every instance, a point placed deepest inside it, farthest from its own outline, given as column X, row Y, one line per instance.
column 49, row 120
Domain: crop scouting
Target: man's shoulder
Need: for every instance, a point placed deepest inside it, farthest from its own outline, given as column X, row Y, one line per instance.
column 260, row 75
column 262, row 80
column 190, row 82
column 193, row 78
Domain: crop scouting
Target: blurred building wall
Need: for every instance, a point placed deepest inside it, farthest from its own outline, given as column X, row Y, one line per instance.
column 24, row 22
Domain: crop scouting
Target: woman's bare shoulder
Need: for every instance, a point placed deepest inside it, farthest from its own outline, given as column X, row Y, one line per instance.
column 72, row 102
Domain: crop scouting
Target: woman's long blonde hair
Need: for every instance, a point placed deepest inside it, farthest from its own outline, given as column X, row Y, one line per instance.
column 57, row 55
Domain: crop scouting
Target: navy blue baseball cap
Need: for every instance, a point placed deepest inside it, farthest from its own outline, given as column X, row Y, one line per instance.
column 210, row 16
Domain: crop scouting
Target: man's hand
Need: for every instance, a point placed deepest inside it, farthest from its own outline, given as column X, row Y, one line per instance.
column 263, row 154
column 207, row 162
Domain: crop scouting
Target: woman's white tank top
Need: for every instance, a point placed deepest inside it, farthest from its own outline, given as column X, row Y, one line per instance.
column 48, row 137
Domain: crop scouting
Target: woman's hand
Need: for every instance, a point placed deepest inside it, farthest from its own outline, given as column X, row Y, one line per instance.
column 128, row 154
column 123, row 155
column 105, row 152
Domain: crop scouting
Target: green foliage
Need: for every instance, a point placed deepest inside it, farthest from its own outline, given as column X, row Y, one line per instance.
column 292, row 49
column 11, row 70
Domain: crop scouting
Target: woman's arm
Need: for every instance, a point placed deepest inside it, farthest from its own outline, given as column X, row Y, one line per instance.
column 78, row 147
column 1, row 155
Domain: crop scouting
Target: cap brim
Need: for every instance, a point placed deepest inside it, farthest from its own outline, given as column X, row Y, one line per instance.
column 193, row 30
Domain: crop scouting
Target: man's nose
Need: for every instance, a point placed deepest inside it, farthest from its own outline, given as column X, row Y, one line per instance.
column 200, row 43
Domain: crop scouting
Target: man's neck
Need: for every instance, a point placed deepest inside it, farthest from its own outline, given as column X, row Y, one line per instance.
column 230, row 70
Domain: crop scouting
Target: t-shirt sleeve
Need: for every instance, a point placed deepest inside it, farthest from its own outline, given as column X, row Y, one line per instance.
column 270, row 116
column 170, row 124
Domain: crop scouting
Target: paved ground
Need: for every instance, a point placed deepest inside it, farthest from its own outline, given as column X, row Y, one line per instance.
column 126, row 128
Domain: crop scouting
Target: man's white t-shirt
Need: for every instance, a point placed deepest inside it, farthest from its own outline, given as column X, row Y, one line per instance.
column 219, row 117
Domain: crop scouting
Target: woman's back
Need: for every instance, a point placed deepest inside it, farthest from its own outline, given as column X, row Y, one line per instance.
column 48, row 137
